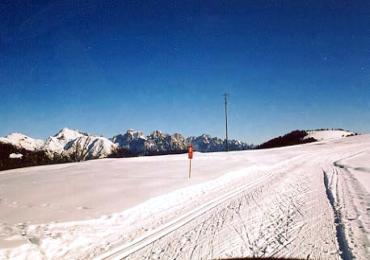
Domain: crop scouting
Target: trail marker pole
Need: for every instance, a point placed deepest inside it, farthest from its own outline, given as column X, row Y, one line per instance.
column 189, row 168
column 190, row 156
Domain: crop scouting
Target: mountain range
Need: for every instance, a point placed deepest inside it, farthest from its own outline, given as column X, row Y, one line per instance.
column 68, row 145
column 73, row 145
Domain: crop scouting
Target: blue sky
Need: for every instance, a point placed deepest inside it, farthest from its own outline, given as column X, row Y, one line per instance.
column 106, row 66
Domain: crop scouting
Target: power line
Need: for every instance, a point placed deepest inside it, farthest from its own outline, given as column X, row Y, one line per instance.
column 227, row 137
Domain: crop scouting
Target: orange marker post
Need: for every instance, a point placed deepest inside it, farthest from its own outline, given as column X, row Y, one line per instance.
column 190, row 156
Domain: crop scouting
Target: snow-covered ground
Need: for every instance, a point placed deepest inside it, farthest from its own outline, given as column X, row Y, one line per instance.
column 301, row 201
column 321, row 135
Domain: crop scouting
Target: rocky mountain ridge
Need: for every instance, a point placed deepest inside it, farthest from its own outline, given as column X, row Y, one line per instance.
column 73, row 145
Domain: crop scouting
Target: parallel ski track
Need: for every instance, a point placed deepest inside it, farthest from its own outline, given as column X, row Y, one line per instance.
column 148, row 238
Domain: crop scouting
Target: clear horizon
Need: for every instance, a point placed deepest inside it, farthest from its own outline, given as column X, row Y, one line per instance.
column 104, row 67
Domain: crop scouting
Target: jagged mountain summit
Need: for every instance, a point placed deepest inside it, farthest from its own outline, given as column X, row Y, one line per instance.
column 155, row 143
column 162, row 143
column 78, row 146
column 132, row 140
column 56, row 143
column 88, row 147
column 207, row 143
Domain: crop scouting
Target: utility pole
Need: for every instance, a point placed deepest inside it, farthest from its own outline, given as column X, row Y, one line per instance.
column 227, row 137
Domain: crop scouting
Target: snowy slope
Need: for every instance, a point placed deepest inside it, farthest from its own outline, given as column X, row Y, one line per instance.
column 322, row 135
column 276, row 202
column 23, row 141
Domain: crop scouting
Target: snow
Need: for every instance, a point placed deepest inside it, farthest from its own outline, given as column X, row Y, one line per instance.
column 67, row 134
column 157, row 141
column 100, row 147
column 138, row 143
column 90, row 147
column 358, row 166
column 23, row 141
column 56, row 143
column 15, row 156
column 270, row 202
column 322, row 135
column 68, row 142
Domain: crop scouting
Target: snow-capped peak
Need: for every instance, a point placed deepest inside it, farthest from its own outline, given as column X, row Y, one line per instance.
column 78, row 145
column 132, row 140
column 135, row 134
column 157, row 133
column 22, row 141
column 88, row 147
column 68, row 134
column 56, row 143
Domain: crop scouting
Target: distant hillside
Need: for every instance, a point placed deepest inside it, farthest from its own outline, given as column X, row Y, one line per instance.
column 305, row 136
column 292, row 138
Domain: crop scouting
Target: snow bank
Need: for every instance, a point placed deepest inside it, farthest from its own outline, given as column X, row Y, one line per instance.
column 15, row 156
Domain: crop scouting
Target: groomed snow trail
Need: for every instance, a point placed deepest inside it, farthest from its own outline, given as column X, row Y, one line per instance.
column 310, row 201
column 251, row 223
column 352, row 204
column 178, row 223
